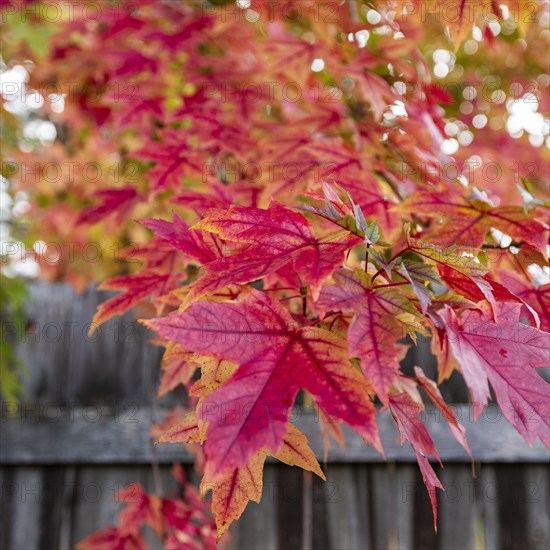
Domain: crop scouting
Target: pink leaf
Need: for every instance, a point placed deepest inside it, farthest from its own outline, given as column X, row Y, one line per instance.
column 504, row 354
column 250, row 410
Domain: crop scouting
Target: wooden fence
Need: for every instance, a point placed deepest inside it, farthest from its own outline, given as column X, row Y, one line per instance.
column 81, row 433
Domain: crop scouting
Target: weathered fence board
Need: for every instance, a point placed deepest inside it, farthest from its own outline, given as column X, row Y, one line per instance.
column 81, row 433
column 49, row 506
column 84, row 435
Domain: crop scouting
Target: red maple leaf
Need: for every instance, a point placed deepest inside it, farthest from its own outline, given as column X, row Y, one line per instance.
column 137, row 288
column 504, row 354
column 277, row 358
column 405, row 412
column 431, row 389
column 269, row 240
column 467, row 222
column 538, row 297
column 375, row 328
column 119, row 201
column 194, row 245
column 173, row 159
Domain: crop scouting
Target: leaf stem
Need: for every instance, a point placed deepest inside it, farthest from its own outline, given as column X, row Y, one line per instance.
column 304, row 301
column 381, row 270
column 391, row 284
column 330, row 314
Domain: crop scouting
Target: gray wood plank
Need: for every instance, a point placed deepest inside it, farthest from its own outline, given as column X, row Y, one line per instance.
column 382, row 494
column 537, row 494
column 68, row 502
column 26, row 509
column 487, row 495
column 55, row 512
column 120, row 435
column 290, row 501
column 8, row 490
column 512, row 506
column 391, row 487
column 320, row 535
column 307, row 510
column 347, row 514
column 257, row 527
column 404, row 476
column 457, row 509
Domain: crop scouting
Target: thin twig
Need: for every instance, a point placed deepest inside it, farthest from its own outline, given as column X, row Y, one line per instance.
column 381, row 270
column 353, row 13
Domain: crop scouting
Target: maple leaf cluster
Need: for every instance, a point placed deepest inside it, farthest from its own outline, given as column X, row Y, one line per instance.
column 296, row 234
column 179, row 522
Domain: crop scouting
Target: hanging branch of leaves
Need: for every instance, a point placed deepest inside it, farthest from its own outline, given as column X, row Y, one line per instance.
column 294, row 226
